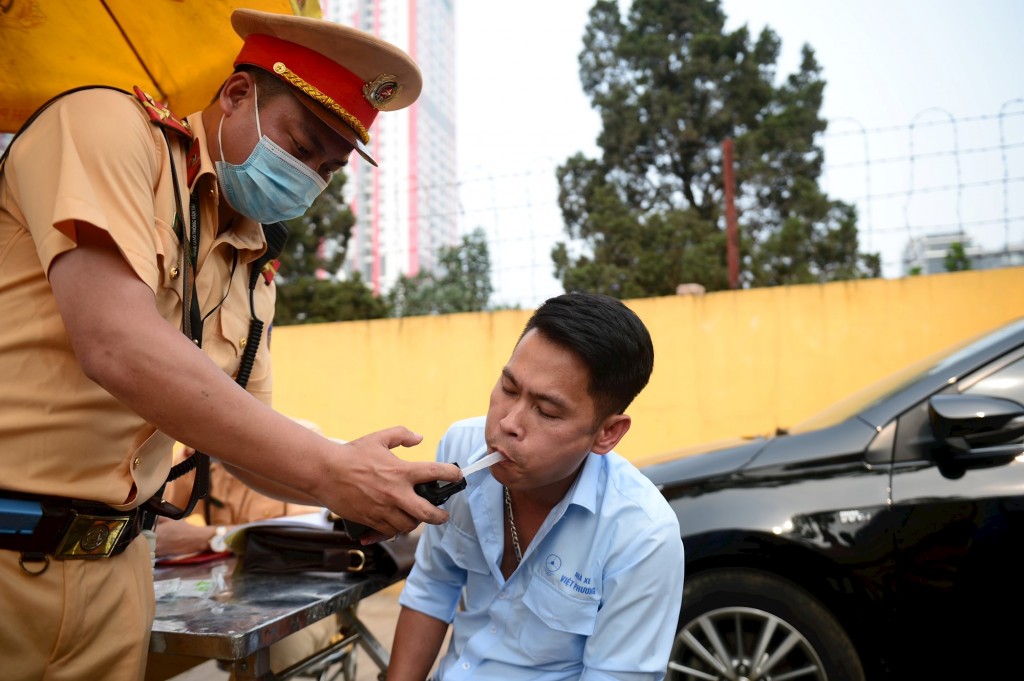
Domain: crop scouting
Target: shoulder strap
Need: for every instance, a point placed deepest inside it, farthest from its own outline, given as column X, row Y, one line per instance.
column 158, row 113
column 46, row 105
column 277, row 237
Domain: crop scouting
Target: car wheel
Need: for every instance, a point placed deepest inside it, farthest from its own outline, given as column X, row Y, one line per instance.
column 750, row 625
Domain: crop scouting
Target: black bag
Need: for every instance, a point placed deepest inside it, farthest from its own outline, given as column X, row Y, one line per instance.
column 284, row 548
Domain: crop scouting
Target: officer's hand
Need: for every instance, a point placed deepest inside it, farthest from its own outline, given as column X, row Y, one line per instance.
column 368, row 484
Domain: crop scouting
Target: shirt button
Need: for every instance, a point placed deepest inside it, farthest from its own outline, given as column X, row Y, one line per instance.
column 243, row 342
column 494, row 630
column 465, row 665
column 175, row 273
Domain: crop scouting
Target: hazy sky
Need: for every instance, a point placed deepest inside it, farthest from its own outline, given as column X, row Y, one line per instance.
column 908, row 82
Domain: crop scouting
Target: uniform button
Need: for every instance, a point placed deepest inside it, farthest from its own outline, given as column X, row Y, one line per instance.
column 137, row 462
column 175, row 273
column 494, row 630
column 242, row 343
column 465, row 665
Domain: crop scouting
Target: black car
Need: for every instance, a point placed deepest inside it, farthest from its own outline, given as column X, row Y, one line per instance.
column 877, row 540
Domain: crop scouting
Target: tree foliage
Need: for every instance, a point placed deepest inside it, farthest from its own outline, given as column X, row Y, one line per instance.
column 308, row 289
column 462, row 282
column 957, row 259
column 671, row 85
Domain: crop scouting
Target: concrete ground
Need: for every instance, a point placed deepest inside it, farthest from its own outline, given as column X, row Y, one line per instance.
column 378, row 612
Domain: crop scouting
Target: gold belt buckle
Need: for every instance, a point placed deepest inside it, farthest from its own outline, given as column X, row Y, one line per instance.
column 91, row 536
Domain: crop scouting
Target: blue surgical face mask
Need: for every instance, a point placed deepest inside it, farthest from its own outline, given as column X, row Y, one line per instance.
column 272, row 185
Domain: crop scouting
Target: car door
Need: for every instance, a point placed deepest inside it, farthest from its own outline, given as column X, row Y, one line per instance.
column 959, row 592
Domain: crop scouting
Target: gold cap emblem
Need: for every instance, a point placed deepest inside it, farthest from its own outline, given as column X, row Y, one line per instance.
column 381, row 91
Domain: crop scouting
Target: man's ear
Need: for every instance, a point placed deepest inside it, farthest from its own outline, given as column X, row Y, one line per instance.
column 236, row 88
column 610, row 432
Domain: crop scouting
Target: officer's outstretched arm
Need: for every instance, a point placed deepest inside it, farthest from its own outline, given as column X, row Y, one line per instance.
column 124, row 345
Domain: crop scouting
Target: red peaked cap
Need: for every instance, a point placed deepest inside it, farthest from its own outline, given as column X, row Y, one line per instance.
column 343, row 75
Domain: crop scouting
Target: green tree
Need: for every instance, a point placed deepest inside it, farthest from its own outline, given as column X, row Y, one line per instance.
column 308, row 289
column 671, row 85
column 461, row 283
column 956, row 258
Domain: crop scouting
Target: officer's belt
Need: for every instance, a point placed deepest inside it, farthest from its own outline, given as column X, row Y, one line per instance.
column 73, row 529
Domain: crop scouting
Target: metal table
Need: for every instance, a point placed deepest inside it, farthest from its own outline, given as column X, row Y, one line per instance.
column 213, row 611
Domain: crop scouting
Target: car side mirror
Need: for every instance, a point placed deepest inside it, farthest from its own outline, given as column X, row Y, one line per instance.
column 978, row 429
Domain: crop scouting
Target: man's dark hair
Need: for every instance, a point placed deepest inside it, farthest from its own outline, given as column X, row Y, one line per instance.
column 268, row 84
column 609, row 339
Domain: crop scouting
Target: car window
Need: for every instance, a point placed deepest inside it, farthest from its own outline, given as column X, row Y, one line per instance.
column 915, row 440
column 1007, row 383
column 872, row 394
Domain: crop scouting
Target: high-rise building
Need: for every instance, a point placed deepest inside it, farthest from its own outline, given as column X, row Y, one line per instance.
column 406, row 210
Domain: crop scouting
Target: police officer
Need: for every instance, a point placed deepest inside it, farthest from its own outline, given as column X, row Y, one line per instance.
column 121, row 227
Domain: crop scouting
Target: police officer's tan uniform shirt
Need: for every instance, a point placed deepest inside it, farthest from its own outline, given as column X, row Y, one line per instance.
column 105, row 164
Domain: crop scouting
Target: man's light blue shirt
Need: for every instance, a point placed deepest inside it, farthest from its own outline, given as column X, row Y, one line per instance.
column 597, row 595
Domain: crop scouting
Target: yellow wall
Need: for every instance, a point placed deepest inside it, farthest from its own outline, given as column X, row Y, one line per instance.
column 726, row 364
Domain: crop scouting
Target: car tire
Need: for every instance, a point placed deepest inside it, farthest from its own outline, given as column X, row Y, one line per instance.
column 749, row 624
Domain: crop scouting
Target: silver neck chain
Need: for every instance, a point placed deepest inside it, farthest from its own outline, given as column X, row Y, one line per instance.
column 512, row 527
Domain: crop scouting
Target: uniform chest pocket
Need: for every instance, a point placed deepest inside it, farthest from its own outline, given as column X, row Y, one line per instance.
column 464, row 551
column 463, row 548
column 229, row 337
column 559, row 623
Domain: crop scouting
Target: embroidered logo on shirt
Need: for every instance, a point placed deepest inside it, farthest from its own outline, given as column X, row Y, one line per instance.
column 552, row 563
column 579, row 584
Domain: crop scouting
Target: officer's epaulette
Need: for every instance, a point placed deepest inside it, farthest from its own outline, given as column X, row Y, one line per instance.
column 161, row 115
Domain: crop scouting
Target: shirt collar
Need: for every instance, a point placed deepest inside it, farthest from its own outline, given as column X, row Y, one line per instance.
column 584, row 490
column 245, row 235
column 198, row 153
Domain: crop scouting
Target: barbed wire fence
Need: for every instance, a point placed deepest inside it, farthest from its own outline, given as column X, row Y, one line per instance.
column 936, row 174
column 939, row 174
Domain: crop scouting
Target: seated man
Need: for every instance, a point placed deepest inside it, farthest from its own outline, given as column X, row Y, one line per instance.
column 565, row 560
column 230, row 502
